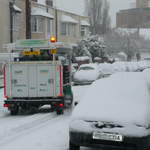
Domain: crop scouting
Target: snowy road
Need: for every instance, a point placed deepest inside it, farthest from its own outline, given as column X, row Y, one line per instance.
column 41, row 131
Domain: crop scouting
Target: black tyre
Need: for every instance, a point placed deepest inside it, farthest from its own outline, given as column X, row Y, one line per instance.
column 14, row 111
column 73, row 146
column 60, row 111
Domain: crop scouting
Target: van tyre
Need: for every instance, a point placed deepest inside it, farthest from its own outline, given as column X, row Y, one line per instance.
column 60, row 112
column 73, row 146
column 14, row 111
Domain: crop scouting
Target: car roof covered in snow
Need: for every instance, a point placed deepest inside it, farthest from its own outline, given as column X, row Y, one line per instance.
column 123, row 97
column 93, row 65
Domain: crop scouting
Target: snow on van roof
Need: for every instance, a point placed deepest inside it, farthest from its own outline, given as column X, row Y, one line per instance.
column 123, row 98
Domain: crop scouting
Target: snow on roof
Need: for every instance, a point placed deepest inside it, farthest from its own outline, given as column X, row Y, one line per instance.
column 40, row 12
column 16, row 8
column 42, row 2
column 116, row 99
column 82, row 58
column 69, row 19
column 85, row 23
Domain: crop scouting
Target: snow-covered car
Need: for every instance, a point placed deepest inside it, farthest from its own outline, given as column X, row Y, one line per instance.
column 114, row 114
column 73, row 70
column 107, row 69
column 86, row 74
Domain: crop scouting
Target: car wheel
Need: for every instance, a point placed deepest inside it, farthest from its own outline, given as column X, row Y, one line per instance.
column 73, row 146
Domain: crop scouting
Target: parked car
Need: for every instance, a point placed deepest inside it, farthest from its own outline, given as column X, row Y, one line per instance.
column 73, row 70
column 114, row 114
column 86, row 74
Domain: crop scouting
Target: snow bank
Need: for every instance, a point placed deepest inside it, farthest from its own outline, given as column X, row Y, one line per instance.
column 123, row 98
column 106, row 68
column 124, row 66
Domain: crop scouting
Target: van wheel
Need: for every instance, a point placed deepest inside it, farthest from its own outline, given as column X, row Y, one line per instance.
column 73, row 146
column 60, row 111
column 14, row 111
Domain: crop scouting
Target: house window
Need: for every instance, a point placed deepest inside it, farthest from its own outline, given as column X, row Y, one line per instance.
column 68, row 29
column 40, row 24
column 37, row 24
column 16, row 22
column 49, row 3
column 49, row 25
column 83, row 30
column 64, row 29
column 74, row 30
column 34, row 24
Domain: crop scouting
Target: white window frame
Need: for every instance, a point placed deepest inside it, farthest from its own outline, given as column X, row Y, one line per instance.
column 68, row 29
column 63, row 28
column 50, row 26
column 83, row 30
column 38, row 25
column 16, row 22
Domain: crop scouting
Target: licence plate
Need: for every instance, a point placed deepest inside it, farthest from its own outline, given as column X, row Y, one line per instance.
column 107, row 136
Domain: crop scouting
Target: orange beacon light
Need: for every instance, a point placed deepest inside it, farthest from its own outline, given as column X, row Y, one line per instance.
column 52, row 39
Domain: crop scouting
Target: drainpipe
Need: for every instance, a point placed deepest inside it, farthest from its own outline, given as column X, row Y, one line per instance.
column 56, row 23
column 11, row 21
column 28, row 19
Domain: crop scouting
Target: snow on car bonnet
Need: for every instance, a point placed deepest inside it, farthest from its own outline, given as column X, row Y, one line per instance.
column 87, row 72
column 122, row 98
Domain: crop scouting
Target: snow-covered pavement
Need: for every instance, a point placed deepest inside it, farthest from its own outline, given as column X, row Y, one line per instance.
column 41, row 131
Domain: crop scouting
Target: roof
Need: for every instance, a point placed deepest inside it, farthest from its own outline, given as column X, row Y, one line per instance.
column 35, row 11
column 85, row 23
column 68, row 19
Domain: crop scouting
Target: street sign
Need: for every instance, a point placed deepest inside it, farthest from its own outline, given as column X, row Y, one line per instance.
column 53, row 51
column 28, row 53
column 31, row 43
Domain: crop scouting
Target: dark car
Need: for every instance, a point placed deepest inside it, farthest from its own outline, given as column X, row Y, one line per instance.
column 114, row 114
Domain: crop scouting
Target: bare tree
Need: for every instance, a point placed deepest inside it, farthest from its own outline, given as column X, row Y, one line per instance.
column 123, row 40
column 98, row 11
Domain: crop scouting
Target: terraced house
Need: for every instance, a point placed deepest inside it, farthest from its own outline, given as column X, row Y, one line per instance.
column 39, row 19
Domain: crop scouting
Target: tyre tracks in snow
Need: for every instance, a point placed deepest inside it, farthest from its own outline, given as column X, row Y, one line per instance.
column 30, row 126
column 15, row 132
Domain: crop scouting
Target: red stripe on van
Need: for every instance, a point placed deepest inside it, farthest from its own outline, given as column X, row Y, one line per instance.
column 61, row 89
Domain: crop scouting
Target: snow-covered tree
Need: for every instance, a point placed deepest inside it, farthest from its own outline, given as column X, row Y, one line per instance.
column 93, row 46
